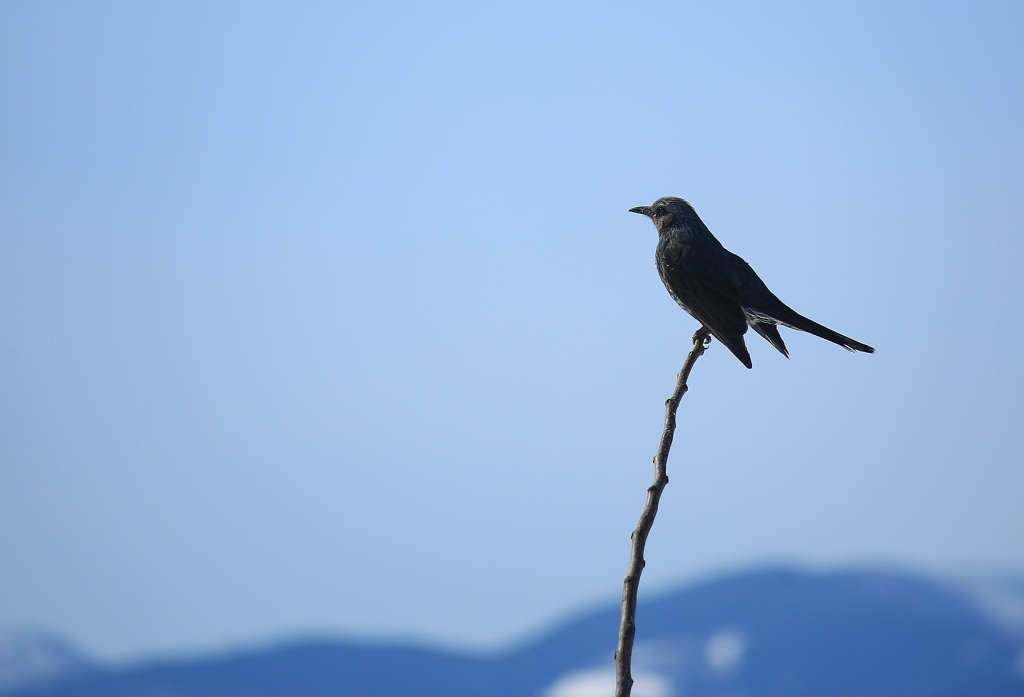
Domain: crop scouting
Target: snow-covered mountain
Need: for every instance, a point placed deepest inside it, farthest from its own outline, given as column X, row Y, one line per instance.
column 770, row 633
column 35, row 659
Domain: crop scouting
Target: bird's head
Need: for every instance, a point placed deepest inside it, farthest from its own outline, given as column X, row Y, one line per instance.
column 666, row 212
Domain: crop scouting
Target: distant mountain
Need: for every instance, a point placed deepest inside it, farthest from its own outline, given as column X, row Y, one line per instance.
column 775, row 633
column 36, row 659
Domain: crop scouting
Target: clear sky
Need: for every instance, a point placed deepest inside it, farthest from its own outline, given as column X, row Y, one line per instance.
column 331, row 316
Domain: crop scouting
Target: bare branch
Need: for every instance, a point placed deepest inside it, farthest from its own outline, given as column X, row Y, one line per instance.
column 627, row 625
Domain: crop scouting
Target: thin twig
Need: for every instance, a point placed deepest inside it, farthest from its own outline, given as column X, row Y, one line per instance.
column 627, row 625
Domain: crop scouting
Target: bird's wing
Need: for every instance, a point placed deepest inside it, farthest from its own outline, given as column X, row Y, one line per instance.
column 700, row 284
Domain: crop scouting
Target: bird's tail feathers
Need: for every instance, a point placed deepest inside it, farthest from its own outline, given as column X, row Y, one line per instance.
column 798, row 321
column 771, row 333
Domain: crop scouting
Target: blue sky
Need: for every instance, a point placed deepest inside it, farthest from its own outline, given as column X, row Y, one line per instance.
column 332, row 318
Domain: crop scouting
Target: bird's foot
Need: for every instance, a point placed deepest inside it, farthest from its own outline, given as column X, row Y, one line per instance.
column 702, row 336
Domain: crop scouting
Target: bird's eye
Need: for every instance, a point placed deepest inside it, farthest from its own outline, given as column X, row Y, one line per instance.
column 659, row 211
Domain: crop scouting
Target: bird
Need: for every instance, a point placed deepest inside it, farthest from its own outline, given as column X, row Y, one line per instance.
column 718, row 288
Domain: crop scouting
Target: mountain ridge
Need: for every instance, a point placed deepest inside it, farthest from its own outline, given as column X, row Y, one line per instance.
column 773, row 631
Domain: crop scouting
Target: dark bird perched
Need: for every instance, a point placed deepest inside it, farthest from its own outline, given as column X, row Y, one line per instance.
column 718, row 288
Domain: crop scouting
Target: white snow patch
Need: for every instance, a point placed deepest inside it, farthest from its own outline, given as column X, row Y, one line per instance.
column 600, row 682
column 1002, row 599
column 725, row 649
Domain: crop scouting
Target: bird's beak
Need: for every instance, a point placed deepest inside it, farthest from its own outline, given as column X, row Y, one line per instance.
column 642, row 210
